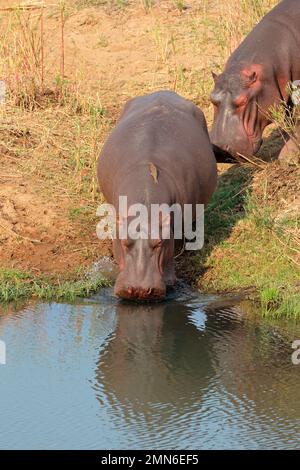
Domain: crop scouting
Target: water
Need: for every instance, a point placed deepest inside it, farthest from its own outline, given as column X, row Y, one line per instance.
column 190, row 373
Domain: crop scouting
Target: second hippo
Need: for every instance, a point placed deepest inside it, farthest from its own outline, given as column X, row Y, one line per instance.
column 255, row 79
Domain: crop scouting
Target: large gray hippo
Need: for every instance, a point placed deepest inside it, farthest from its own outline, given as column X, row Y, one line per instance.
column 255, row 78
column 158, row 153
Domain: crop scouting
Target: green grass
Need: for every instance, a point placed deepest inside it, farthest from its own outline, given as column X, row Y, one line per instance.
column 246, row 247
column 226, row 206
column 15, row 285
column 83, row 214
column 279, row 302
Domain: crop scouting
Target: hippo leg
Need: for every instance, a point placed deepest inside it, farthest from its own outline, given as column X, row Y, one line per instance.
column 169, row 274
column 291, row 150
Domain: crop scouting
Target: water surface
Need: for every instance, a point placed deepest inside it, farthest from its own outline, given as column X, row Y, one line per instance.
column 193, row 372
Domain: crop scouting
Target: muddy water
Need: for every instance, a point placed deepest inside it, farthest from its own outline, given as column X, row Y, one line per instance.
column 191, row 373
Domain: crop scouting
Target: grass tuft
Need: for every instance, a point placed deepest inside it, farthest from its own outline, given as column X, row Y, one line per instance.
column 15, row 285
column 278, row 303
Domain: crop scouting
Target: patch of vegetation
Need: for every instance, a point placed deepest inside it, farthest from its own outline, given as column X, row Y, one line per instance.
column 180, row 5
column 249, row 247
column 90, row 3
column 15, row 285
column 147, row 4
column 98, row 3
column 278, row 302
column 102, row 41
column 236, row 20
column 226, row 207
column 82, row 214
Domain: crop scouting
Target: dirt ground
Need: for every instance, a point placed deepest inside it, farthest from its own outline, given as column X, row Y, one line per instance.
column 35, row 235
column 116, row 53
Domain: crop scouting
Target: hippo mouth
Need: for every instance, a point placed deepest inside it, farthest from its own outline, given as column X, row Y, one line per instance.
column 222, row 155
column 256, row 143
column 226, row 154
column 141, row 295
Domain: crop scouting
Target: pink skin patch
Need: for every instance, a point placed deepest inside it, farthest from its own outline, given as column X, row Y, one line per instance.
column 252, row 76
column 241, row 101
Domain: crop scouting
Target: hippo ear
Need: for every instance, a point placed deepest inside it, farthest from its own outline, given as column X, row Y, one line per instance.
column 250, row 77
column 214, row 76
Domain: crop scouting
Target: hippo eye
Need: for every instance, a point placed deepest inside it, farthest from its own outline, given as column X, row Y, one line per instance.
column 215, row 101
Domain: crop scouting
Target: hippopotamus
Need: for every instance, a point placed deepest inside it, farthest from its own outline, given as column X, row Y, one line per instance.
column 256, row 77
column 158, row 153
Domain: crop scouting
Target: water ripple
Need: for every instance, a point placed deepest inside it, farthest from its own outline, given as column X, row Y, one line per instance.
column 194, row 372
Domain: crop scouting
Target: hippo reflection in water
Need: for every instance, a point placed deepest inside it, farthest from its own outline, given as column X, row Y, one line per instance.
column 170, row 365
column 155, row 357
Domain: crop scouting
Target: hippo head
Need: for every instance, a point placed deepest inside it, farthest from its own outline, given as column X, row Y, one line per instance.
column 238, row 121
column 145, row 267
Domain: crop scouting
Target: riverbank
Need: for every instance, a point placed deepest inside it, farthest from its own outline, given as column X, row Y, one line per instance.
column 58, row 113
column 252, row 238
column 251, row 245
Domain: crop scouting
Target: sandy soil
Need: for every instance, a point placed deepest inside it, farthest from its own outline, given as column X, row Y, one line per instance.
column 117, row 53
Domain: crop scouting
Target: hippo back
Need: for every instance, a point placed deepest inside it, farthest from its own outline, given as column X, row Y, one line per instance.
column 168, row 132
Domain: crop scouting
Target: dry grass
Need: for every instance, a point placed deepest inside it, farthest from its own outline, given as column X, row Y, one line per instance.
column 236, row 19
column 22, row 64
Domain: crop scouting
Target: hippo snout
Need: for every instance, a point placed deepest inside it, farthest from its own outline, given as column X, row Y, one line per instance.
column 235, row 144
column 141, row 293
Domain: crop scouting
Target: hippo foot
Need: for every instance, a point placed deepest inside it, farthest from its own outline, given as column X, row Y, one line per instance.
column 170, row 278
column 290, row 153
